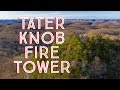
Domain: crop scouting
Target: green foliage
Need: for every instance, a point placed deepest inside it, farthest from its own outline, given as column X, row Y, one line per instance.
column 70, row 49
column 107, row 50
column 83, row 51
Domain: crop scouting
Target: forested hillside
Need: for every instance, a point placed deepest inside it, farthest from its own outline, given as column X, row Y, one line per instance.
column 92, row 47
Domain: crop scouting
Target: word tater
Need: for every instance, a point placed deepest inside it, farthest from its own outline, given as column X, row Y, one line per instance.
column 57, row 22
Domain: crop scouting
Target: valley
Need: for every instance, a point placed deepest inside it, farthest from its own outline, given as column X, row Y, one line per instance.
column 11, row 50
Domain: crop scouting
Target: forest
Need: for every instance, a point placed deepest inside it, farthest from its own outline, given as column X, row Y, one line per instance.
column 91, row 46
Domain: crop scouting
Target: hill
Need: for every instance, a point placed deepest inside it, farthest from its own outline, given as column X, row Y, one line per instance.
column 10, row 50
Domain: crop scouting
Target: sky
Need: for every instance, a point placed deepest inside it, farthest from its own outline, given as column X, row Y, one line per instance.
column 64, row 14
